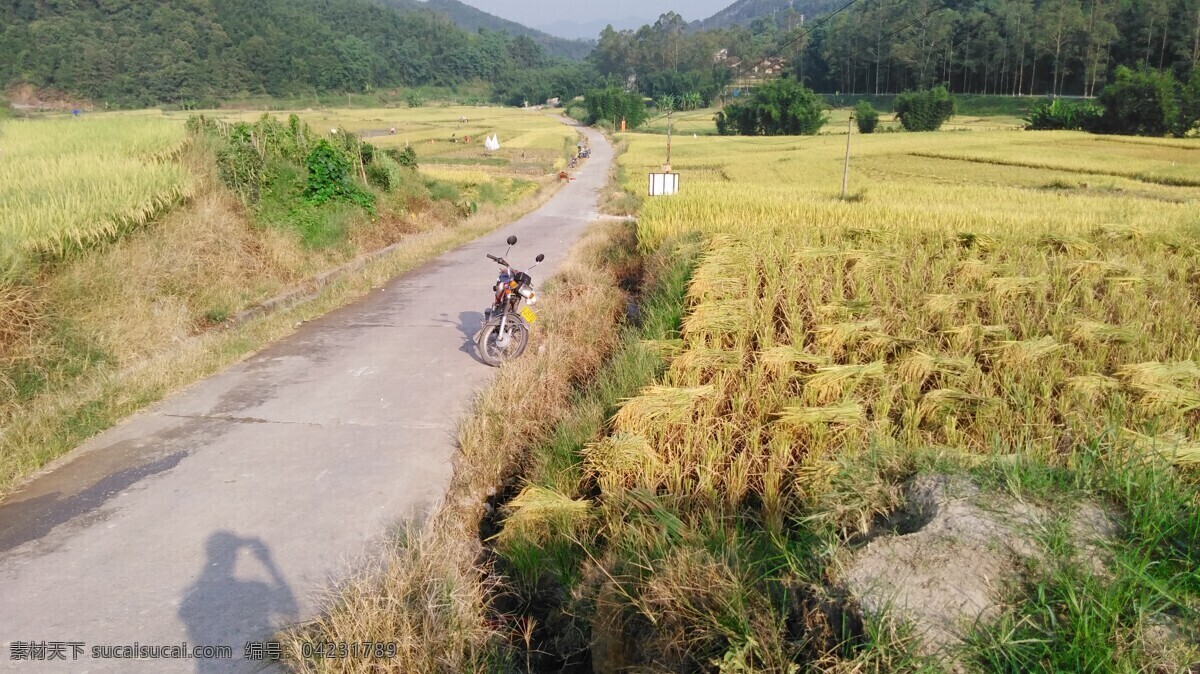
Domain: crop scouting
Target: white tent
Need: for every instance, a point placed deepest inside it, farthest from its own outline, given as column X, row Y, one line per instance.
column 492, row 143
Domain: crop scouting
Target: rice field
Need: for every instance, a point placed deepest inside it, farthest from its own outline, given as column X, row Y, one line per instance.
column 1018, row 299
column 66, row 183
column 438, row 131
column 951, row 303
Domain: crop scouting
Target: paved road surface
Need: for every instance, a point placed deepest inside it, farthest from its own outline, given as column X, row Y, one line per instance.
column 215, row 516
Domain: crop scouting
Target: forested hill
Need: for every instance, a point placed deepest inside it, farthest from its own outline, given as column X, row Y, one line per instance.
column 135, row 52
column 1008, row 47
column 471, row 19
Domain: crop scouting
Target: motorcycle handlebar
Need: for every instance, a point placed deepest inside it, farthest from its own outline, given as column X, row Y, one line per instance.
column 497, row 260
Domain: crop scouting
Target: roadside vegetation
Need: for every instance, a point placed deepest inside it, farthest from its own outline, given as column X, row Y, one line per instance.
column 433, row 591
column 121, row 282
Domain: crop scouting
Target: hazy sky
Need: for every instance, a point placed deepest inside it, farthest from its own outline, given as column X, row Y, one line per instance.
column 541, row 12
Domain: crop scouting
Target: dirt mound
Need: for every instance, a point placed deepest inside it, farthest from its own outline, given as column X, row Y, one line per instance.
column 956, row 551
column 26, row 97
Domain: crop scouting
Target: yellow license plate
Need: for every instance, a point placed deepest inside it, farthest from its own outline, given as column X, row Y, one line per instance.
column 528, row 314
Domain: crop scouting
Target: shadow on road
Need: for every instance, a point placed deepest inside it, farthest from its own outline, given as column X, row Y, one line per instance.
column 469, row 323
column 221, row 609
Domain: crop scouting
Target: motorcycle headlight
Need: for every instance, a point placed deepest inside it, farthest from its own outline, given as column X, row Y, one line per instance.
column 526, row 292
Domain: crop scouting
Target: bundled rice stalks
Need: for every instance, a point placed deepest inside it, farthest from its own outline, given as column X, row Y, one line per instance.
column 1067, row 245
column 1091, row 385
column 703, row 358
column 834, row 381
column 974, row 270
column 838, row 335
column 666, row 348
column 717, row 318
column 1094, row 332
column 622, row 460
column 658, row 405
column 786, row 357
column 1022, row 353
column 1158, row 374
column 1013, row 286
column 919, row 366
column 849, row 414
column 943, row 402
column 942, row 303
column 539, row 514
column 844, row 309
column 1100, row 268
column 1118, row 232
column 1174, row 446
column 980, row 242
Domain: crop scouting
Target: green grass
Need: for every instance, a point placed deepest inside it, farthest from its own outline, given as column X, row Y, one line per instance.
column 1067, row 618
column 556, row 464
column 466, row 161
column 967, row 104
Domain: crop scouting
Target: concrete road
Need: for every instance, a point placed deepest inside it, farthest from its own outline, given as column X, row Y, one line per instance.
column 217, row 515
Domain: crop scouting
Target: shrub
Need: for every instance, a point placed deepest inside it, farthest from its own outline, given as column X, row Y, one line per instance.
column 1060, row 114
column 414, row 99
column 440, row 190
column 866, row 116
column 1140, row 102
column 924, row 110
column 782, row 107
column 406, row 157
column 384, row 172
column 329, row 178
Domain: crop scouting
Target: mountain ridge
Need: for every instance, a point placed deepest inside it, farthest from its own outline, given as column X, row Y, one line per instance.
column 744, row 12
column 473, row 19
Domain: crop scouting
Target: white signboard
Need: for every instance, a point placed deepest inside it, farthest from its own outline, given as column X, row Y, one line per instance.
column 663, row 184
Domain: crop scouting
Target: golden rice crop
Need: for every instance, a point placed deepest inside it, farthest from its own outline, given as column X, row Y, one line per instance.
column 67, row 183
column 972, row 315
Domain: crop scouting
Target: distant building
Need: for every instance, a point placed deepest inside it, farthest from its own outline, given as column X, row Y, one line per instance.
column 770, row 67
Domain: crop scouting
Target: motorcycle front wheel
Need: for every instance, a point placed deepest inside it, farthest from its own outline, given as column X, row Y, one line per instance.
column 495, row 348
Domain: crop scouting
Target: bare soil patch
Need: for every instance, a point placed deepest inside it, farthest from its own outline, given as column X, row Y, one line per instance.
column 957, row 551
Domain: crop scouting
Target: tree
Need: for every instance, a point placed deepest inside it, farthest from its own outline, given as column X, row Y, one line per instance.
column 613, row 104
column 1140, row 102
column 781, row 107
column 924, row 110
column 1189, row 105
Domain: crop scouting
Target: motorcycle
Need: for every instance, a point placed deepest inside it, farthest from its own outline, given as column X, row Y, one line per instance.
column 505, row 331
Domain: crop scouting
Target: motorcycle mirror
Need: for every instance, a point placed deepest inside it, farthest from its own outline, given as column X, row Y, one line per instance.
column 539, row 258
column 512, row 240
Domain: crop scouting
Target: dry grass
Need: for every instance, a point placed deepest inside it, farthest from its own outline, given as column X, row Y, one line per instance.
column 429, row 593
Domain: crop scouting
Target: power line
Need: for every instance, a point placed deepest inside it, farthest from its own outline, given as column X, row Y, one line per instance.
column 896, row 32
column 801, row 36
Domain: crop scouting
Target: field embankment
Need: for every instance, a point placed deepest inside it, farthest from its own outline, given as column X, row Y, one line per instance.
column 116, row 293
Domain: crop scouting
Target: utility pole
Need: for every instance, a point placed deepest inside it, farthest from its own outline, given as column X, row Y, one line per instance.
column 846, row 169
column 670, row 111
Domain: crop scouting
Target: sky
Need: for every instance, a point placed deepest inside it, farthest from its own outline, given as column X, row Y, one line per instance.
column 542, row 12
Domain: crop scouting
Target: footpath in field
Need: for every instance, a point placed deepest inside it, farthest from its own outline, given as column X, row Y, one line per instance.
column 215, row 516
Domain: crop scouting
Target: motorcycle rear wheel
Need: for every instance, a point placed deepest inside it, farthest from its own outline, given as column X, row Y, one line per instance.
column 492, row 353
